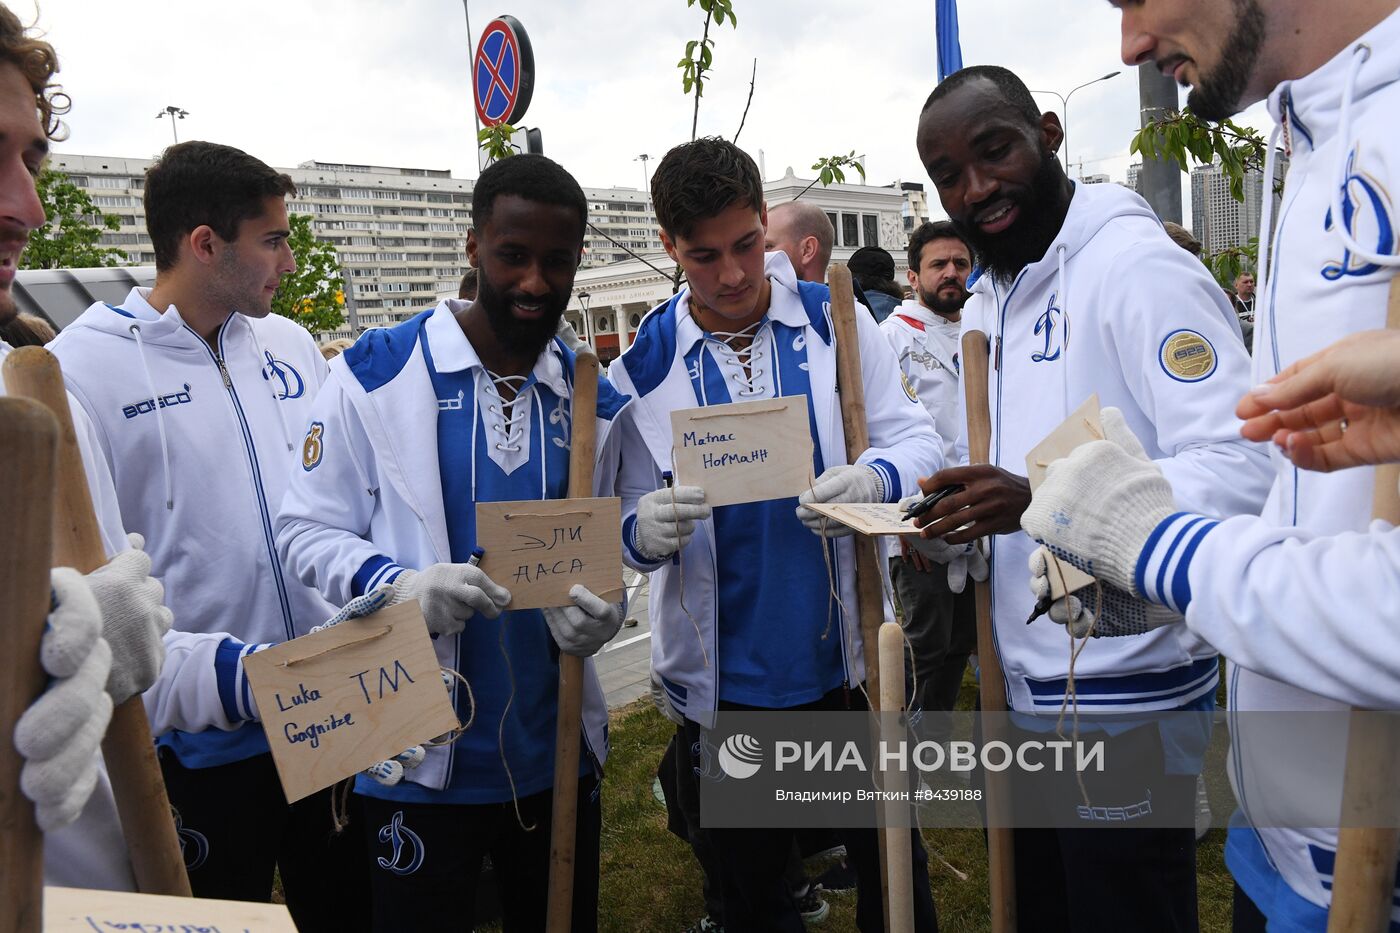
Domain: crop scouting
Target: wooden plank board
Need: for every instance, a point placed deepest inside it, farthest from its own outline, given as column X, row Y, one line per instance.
column 76, row 910
column 868, row 518
column 744, row 451
column 340, row 700
column 1081, row 427
column 538, row 549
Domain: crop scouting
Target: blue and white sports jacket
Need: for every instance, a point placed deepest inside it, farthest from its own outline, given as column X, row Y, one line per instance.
column 1114, row 308
column 664, row 370
column 200, row 442
column 367, row 498
column 1302, row 598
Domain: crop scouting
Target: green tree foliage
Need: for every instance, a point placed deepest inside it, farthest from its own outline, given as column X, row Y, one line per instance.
column 1185, row 138
column 496, row 140
column 70, row 237
column 314, row 295
column 699, row 54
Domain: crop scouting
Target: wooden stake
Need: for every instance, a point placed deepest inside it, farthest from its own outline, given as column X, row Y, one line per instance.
column 1001, row 864
column 28, row 437
column 870, row 598
column 900, row 865
column 564, row 817
column 1364, row 875
column 128, row 749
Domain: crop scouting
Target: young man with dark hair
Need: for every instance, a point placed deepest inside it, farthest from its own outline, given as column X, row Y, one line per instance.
column 468, row 402
column 198, row 394
column 939, row 609
column 1166, row 358
column 1300, row 598
column 754, row 574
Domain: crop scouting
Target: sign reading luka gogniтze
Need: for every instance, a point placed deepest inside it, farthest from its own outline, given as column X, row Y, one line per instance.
column 503, row 72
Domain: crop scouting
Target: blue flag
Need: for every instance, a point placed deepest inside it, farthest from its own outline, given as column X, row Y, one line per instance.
column 949, row 49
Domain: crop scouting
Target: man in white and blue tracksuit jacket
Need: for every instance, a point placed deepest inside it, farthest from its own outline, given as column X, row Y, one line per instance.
column 199, row 409
column 755, row 580
column 1084, row 293
column 415, row 427
column 1296, row 598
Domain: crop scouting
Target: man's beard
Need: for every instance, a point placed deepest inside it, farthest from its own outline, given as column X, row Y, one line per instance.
column 517, row 336
column 1007, row 253
column 936, row 303
column 1217, row 95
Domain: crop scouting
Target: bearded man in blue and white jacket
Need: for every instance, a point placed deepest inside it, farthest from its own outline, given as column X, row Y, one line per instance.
column 1082, row 292
column 469, row 402
column 770, row 636
column 1297, row 598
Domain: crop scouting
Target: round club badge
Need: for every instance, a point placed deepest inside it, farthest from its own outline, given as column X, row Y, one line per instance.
column 1187, row 356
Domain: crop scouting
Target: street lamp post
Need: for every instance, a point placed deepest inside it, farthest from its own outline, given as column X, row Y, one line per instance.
column 1064, row 106
column 646, row 181
column 174, row 113
column 583, row 300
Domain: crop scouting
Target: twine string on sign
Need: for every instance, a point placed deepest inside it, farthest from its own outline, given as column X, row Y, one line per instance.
column 501, row 727
column 680, row 570
column 1071, row 698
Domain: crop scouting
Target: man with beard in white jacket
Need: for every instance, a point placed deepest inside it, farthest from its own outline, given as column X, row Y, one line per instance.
column 198, row 395
column 468, row 402
column 1295, row 597
column 1083, row 293
column 940, row 612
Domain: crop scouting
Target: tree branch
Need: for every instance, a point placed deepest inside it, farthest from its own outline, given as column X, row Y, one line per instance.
column 745, row 117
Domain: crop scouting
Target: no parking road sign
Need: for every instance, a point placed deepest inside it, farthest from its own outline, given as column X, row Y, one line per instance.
column 503, row 73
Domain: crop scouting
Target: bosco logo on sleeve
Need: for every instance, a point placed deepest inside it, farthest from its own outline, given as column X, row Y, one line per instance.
column 1187, row 356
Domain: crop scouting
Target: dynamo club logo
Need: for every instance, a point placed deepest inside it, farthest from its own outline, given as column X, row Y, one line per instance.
column 194, row 845
column 1052, row 326
column 286, row 381
column 740, row 756
column 1366, row 216
column 408, row 851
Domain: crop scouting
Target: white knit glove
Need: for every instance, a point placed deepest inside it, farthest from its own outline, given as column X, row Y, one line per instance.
column 666, row 519
column 391, row 771
column 1098, row 506
column 844, row 483
column 663, row 702
column 134, row 621
column 587, row 625
column 450, row 594
column 962, row 560
column 1118, row 613
column 59, row 735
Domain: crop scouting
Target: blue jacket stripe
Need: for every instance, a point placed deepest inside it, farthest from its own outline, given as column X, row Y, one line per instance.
column 369, row 573
column 228, row 670
column 1132, row 687
column 1145, row 558
column 1160, row 586
column 629, row 537
column 1181, row 580
column 890, row 477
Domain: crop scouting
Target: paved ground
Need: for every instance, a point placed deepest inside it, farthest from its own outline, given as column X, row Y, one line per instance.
column 624, row 664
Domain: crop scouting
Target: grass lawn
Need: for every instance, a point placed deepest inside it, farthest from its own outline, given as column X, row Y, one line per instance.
column 650, row 881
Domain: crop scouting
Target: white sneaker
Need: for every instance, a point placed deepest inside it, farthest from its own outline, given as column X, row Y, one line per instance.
column 1203, row 814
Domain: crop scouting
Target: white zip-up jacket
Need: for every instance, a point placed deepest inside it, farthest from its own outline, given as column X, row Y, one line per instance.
column 367, row 502
column 654, row 372
column 201, row 442
column 1301, row 599
column 1114, row 307
column 91, row 852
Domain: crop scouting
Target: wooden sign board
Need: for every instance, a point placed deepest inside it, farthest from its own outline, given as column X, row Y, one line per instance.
column 868, row 518
column 1081, row 427
column 343, row 699
column 76, row 910
column 538, row 549
column 744, row 451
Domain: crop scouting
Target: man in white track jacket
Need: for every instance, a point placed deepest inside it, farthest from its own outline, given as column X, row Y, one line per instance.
column 1083, row 292
column 199, row 397
column 1300, row 599
column 469, row 402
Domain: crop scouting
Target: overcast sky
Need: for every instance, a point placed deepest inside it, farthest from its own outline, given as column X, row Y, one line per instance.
column 379, row 82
